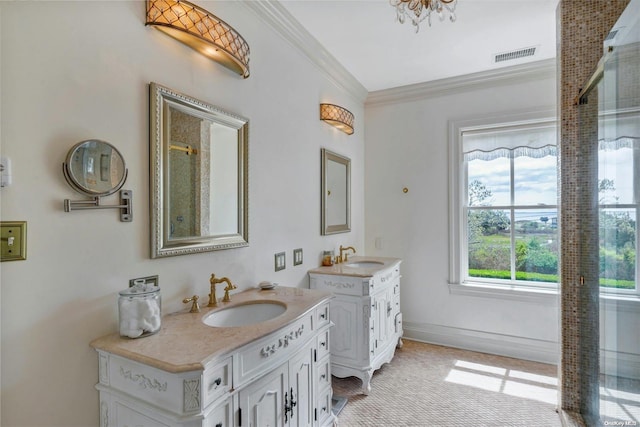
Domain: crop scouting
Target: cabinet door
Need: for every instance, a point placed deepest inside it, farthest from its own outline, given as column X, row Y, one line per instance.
column 300, row 394
column 345, row 336
column 262, row 402
column 381, row 303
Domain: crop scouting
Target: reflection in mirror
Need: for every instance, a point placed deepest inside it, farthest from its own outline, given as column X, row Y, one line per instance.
column 95, row 168
column 199, row 176
column 336, row 193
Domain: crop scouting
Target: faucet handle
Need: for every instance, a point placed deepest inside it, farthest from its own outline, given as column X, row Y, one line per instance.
column 195, row 307
column 230, row 286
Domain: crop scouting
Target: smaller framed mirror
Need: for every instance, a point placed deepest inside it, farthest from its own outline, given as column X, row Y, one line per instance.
column 336, row 193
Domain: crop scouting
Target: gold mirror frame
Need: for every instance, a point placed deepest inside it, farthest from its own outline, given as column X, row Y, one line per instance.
column 336, row 195
column 161, row 98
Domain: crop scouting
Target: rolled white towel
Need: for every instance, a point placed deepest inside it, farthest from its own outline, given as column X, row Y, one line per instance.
column 149, row 311
column 131, row 328
column 155, row 323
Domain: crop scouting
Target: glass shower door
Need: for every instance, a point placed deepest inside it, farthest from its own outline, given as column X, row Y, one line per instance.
column 619, row 213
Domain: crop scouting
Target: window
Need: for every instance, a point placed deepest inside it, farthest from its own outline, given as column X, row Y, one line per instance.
column 618, row 195
column 510, row 207
column 504, row 204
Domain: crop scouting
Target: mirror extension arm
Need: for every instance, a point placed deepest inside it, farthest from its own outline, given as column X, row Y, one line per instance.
column 125, row 206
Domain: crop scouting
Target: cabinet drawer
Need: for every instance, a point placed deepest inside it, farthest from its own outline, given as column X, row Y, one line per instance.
column 398, row 323
column 256, row 359
column 323, row 408
column 217, row 381
column 386, row 278
column 322, row 316
column 221, row 416
column 340, row 285
column 323, row 373
column 323, row 345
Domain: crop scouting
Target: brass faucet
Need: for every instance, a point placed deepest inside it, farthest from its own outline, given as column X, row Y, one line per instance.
column 212, row 296
column 343, row 249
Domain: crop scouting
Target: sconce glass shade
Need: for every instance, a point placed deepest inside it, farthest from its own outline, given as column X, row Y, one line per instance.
column 337, row 116
column 201, row 31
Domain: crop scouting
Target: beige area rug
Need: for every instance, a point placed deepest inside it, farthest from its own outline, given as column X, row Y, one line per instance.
column 431, row 386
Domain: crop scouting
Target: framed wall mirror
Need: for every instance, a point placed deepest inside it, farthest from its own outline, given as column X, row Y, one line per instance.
column 336, row 193
column 199, row 175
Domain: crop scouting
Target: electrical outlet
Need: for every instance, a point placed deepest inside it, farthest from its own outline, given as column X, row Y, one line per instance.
column 13, row 240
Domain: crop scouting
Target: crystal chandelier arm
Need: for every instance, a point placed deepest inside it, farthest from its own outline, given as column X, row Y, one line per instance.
column 419, row 10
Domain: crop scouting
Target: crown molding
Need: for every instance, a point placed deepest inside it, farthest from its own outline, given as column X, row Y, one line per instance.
column 481, row 80
column 275, row 15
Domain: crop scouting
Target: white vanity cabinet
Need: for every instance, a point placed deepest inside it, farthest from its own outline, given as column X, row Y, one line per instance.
column 366, row 313
column 281, row 379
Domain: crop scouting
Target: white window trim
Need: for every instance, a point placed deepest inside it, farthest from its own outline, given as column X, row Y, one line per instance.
column 457, row 254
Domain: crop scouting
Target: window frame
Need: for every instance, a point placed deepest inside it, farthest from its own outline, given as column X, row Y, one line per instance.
column 458, row 250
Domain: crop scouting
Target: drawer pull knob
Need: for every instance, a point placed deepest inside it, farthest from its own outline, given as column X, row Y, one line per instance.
column 215, row 383
column 322, row 344
column 323, row 316
column 219, row 425
column 323, row 376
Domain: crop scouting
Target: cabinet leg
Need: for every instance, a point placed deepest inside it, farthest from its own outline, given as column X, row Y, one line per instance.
column 366, row 382
column 400, row 343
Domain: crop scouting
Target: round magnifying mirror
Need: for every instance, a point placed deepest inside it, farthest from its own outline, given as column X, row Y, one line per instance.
column 95, row 168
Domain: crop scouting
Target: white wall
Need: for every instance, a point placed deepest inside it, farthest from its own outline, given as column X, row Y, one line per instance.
column 407, row 146
column 78, row 70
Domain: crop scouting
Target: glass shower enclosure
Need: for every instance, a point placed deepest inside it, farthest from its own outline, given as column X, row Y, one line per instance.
column 617, row 87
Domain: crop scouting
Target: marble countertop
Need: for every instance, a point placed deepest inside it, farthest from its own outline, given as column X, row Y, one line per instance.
column 343, row 269
column 184, row 343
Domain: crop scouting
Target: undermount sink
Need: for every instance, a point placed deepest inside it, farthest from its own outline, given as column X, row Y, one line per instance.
column 245, row 314
column 364, row 264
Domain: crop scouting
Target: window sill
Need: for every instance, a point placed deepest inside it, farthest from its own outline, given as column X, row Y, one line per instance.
column 509, row 292
column 610, row 302
column 613, row 302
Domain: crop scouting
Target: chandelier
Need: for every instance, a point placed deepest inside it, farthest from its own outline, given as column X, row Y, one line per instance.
column 419, row 10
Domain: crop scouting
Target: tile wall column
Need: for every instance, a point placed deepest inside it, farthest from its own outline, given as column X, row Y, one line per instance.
column 582, row 26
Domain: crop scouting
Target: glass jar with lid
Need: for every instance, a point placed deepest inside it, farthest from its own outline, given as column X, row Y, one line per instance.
column 139, row 310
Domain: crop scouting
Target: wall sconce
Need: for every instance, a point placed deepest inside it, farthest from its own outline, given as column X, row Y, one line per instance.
column 201, row 31
column 338, row 117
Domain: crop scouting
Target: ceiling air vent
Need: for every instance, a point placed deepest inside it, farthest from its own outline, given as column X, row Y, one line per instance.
column 514, row 54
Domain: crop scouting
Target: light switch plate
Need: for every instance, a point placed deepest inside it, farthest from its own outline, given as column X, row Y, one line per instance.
column 280, row 261
column 147, row 280
column 297, row 256
column 5, row 171
column 13, row 240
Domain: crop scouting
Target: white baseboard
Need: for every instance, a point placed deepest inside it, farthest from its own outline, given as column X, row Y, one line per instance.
column 620, row 364
column 484, row 342
column 612, row 363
